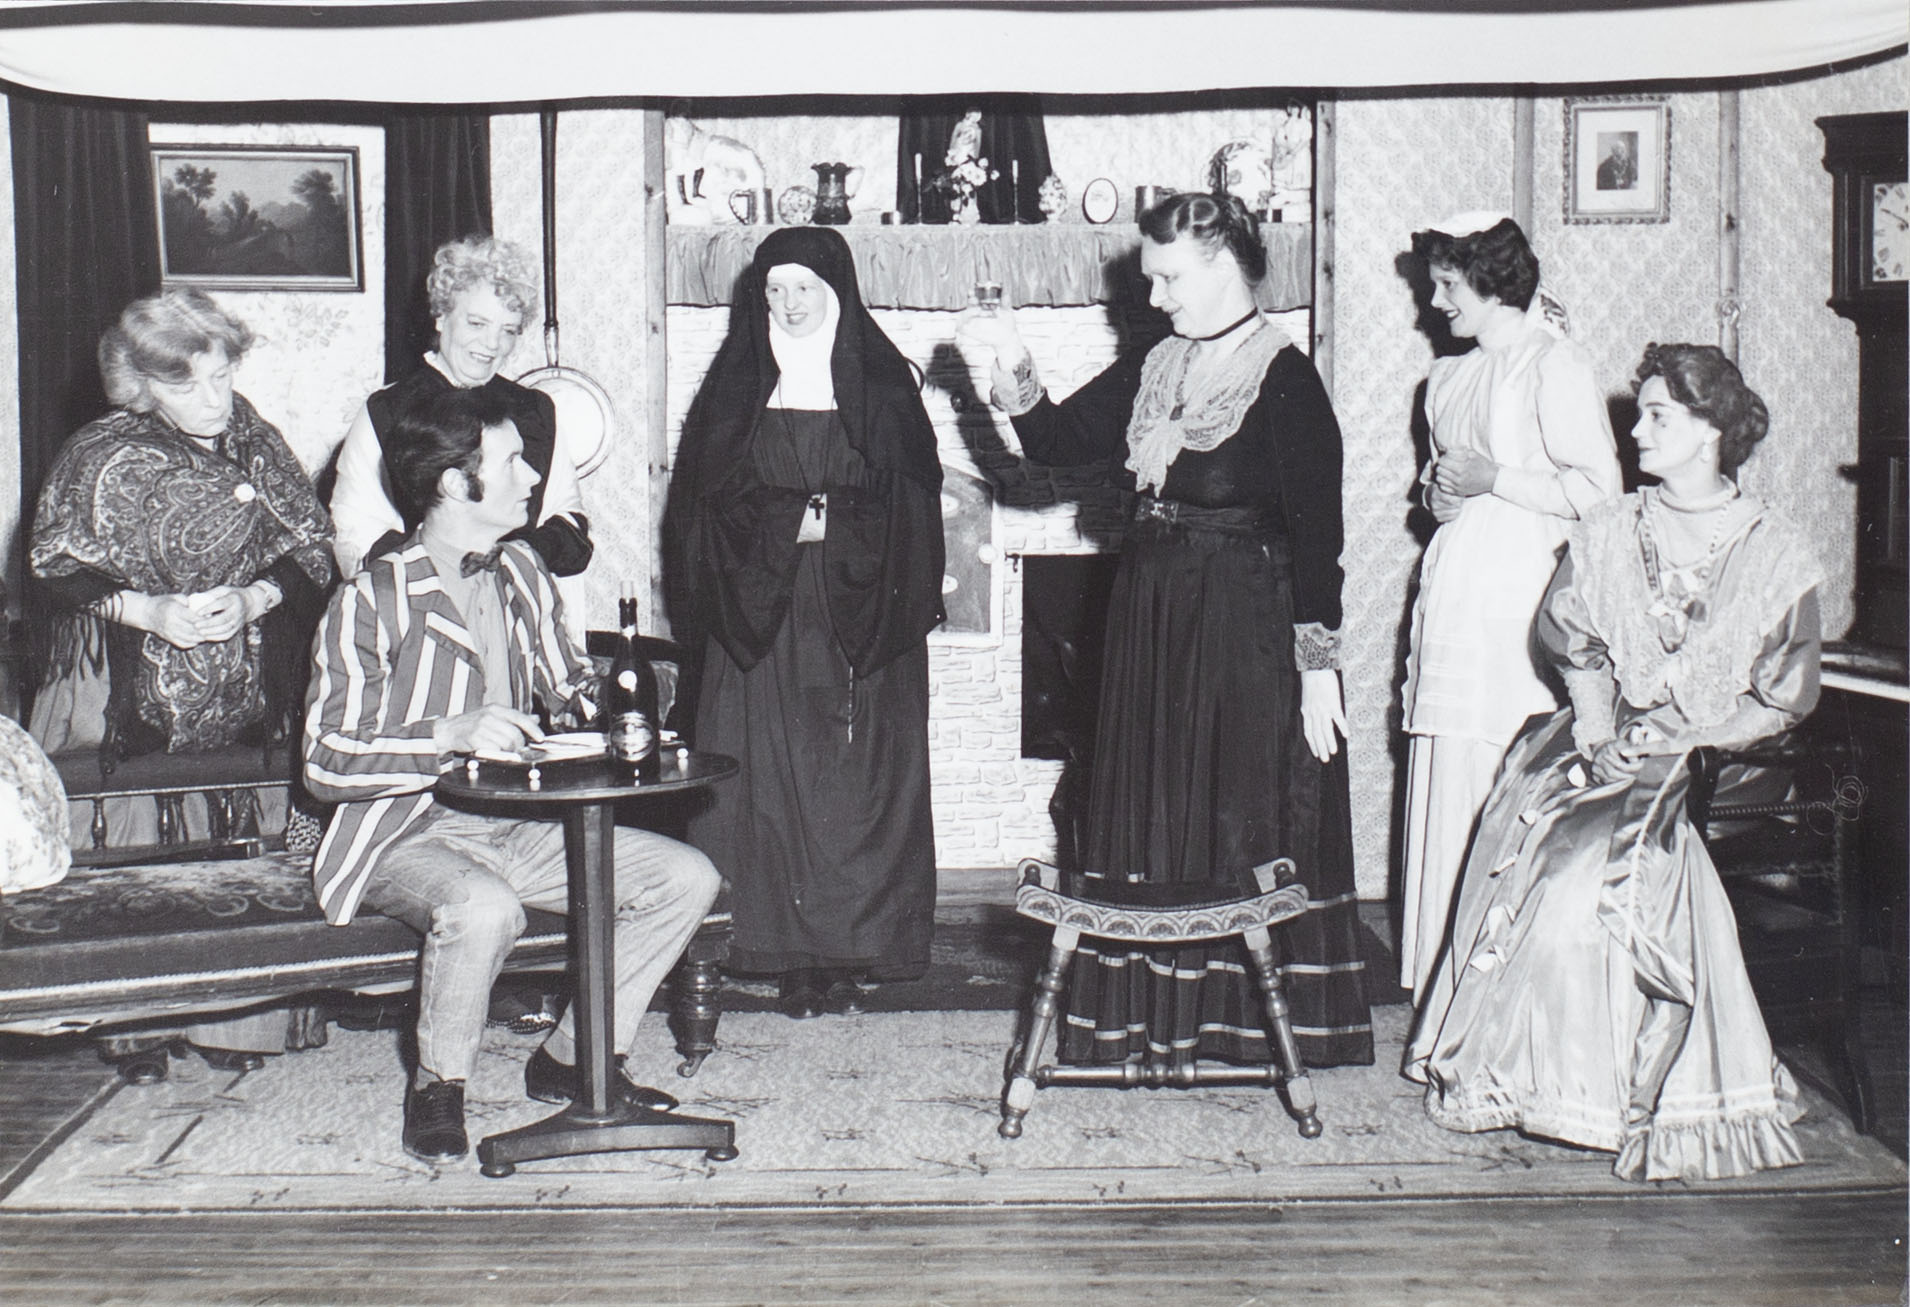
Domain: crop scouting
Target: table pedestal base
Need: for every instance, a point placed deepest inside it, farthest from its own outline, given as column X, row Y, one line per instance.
column 625, row 1126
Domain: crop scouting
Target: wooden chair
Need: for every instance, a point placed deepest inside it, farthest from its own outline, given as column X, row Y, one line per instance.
column 1779, row 821
column 1041, row 897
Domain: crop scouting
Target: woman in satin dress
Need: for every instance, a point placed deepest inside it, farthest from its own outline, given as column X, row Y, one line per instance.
column 1593, row 990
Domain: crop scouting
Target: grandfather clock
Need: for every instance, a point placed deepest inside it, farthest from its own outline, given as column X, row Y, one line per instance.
column 1864, row 154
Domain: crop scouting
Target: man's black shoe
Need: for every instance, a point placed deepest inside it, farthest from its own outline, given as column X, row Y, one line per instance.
column 800, row 994
column 434, row 1122
column 549, row 1081
column 844, row 995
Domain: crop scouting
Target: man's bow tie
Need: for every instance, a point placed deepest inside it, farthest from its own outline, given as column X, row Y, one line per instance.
column 485, row 562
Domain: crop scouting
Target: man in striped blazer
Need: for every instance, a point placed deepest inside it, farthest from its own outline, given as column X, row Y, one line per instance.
column 441, row 647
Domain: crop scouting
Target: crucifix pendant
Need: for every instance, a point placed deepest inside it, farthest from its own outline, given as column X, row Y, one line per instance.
column 816, row 503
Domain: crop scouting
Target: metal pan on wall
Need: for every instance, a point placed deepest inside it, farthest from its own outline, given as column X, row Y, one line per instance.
column 586, row 419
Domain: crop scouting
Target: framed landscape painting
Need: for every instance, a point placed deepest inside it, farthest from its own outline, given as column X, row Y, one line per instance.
column 241, row 217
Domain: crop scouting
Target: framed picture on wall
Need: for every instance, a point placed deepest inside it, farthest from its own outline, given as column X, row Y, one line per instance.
column 1618, row 159
column 243, row 217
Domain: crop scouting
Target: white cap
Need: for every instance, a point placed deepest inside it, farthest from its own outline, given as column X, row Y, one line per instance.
column 1471, row 222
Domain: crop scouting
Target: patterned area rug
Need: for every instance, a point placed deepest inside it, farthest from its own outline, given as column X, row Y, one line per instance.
column 881, row 1109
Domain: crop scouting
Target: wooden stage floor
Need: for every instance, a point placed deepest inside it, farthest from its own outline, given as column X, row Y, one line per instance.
column 1813, row 1250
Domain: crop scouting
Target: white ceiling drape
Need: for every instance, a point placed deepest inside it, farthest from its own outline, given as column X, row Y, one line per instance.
column 521, row 51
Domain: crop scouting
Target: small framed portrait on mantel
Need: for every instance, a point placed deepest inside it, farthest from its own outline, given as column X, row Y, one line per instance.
column 1618, row 159
column 243, row 217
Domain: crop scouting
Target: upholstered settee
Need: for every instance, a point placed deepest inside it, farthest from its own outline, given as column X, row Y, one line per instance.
column 221, row 918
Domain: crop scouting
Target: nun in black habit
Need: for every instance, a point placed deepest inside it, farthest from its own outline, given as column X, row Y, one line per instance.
column 808, row 518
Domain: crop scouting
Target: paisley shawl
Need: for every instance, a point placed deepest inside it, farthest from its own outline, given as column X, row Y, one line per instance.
column 131, row 503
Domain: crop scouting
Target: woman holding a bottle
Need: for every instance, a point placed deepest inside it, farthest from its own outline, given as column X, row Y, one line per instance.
column 807, row 514
column 1220, row 724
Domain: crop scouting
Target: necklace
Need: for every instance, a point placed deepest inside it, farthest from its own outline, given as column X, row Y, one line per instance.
column 1187, row 360
column 1703, row 504
column 817, row 501
column 1235, row 325
column 1677, row 592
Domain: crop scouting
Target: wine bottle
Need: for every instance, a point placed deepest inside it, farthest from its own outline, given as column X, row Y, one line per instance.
column 630, row 705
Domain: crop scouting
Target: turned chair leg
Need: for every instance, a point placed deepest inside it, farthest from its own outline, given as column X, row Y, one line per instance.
column 696, row 1009
column 1299, row 1089
column 1019, row 1095
column 142, row 1059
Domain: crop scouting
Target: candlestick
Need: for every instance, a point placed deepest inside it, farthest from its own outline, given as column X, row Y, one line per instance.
column 1014, row 190
column 918, row 188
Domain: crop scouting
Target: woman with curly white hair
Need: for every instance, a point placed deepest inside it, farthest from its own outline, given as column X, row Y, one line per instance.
column 483, row 294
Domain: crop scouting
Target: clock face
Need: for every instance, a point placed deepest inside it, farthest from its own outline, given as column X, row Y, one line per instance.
column 1889, row 231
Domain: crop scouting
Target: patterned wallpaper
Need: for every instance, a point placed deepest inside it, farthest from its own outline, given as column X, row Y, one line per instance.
column 599, row 298
column 1798, row 354
column 1402, row 164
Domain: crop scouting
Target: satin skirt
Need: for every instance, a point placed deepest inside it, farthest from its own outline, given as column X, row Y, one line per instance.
column 1593, row 991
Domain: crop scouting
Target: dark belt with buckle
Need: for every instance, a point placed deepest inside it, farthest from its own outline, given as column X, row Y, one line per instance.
column 1244, row 521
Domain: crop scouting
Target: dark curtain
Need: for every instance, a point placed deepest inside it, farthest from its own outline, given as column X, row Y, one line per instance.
column 1014, row 141
column 86, row 245
column 437, row 188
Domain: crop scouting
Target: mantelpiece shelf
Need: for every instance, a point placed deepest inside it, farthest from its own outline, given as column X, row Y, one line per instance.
column 933, row 267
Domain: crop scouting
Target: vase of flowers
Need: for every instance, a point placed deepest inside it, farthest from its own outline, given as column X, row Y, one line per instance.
column 965, row 171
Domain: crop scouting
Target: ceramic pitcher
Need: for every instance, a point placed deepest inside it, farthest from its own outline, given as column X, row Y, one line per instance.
column 836, row 184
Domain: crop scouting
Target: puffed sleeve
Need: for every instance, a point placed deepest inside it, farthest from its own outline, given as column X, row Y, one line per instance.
column 1569, row 636
column 1575, row 434
column 1784, row 679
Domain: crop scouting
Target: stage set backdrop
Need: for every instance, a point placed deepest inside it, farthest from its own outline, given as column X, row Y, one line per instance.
column 1412, row 109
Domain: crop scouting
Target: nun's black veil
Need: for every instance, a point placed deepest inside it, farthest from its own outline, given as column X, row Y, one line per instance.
column 733, row 575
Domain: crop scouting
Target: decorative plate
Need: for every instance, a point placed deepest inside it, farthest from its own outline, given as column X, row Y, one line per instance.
column 1243, row 169
column 1100, row 201
column 796, row 206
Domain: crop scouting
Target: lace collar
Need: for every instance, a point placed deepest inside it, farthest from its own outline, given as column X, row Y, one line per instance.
column 1166, row 420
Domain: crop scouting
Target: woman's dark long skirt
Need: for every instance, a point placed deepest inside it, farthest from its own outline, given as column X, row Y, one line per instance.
column 1201, row 772
column 826, row 837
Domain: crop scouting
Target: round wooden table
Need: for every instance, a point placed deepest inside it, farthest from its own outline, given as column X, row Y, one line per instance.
column 584, row 795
